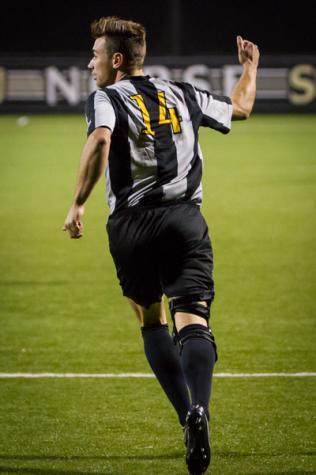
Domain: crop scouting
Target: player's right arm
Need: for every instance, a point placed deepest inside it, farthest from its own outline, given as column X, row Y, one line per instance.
column 93, row 161
column 94, row 157
column 244, row 93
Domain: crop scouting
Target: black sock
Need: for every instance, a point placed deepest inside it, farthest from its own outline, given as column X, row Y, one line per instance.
column 165, row 362
column 198, row 359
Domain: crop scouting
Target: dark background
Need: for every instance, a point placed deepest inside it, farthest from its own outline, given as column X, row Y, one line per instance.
column 185, row 27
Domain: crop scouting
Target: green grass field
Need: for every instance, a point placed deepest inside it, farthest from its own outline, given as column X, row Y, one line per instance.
column 62, row 310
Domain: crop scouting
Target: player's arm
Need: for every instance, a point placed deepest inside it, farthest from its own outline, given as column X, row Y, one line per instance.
column 93, row 161
column 244, row 93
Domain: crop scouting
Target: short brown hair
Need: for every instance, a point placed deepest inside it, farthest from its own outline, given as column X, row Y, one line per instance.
column 123, row 36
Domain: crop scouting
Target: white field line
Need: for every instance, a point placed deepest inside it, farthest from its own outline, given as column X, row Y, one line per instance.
column 146, row 375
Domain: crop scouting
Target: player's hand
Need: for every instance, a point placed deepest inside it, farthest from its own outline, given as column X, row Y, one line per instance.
column 248, row 52
column 73, row 222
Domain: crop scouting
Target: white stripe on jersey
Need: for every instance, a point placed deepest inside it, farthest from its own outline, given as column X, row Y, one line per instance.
column 104, row 112
column 214, row 108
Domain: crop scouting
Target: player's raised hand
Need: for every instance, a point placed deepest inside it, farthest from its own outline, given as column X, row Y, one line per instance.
column 248, row 52
column 73, row 222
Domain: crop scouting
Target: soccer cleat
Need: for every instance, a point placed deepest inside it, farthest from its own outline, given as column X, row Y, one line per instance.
column 197, row 441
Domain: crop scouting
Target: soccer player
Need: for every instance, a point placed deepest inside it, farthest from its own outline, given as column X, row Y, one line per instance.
column 143, row 133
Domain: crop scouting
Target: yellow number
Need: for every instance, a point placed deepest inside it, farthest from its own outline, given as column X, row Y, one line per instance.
column 141, row 104
column 174, row 119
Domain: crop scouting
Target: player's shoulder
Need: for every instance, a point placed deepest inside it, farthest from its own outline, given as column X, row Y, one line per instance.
column 157, row 80
column 186, row 90
column 98, row 94
column 197, row 94
column 165, row 83
column 99, row 97
column 181, row 90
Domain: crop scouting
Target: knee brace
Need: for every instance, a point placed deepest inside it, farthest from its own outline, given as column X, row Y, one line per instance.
column 190, row 304
column 195, row 331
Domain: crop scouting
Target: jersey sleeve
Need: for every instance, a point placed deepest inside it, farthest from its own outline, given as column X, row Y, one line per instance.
column 99, row 112
column 217, row 110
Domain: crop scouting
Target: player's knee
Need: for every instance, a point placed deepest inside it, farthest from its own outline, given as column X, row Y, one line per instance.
column 192, row 305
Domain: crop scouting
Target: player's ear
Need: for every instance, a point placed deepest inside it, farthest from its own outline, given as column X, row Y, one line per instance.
column 117, row 60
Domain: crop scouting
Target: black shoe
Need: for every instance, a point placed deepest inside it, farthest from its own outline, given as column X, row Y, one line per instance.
column 197, row 441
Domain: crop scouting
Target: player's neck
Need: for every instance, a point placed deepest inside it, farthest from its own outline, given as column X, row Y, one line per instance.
column 124, row 74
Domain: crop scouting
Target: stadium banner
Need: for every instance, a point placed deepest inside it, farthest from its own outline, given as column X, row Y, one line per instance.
column 62, row 84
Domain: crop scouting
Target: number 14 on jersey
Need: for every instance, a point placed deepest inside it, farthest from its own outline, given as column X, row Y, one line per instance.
column 166, row 115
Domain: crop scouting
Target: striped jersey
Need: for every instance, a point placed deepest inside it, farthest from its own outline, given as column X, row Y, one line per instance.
column 155, row 157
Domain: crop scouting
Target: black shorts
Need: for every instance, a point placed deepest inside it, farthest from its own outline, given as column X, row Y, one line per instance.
column 163, row 250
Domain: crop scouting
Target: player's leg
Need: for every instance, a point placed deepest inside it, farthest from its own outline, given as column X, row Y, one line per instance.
column 187, row 281
column 186, row 270
column 163, row 356
column 132, row 237
column 197, row 347
column 198, row 354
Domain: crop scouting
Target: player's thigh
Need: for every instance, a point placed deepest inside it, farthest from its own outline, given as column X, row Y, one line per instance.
column 187, row 262
column 135, row 258
column 155, row 314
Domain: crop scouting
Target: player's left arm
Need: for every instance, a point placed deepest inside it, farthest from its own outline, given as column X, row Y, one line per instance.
column 244, row 93
column 93, row 161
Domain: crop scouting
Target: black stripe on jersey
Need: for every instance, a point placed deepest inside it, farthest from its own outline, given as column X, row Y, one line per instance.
column 196, row 116
column 214, row 124
column 164, row 146
column 90, row 113
column 120, row 153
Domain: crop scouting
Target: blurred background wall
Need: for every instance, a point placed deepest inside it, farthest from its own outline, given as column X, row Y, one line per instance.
column 45, row 47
